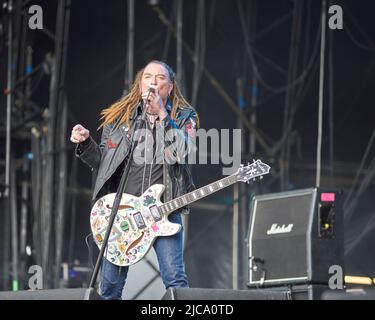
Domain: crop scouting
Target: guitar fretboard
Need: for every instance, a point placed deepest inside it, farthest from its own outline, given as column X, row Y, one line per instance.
column 197, row 194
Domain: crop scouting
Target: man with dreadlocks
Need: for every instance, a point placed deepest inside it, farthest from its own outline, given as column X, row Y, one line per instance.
column 155, row 89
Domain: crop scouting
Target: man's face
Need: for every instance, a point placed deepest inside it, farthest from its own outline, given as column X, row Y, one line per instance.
column 156, row 75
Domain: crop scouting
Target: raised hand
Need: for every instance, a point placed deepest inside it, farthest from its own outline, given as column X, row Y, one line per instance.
column 79, row 134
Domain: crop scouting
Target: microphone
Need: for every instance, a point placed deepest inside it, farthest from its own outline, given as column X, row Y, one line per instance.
column 150, row 90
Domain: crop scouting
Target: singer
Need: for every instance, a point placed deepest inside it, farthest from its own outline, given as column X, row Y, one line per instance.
column 156, row 94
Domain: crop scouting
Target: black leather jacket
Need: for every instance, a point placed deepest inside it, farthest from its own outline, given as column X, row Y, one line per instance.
column 115, row 146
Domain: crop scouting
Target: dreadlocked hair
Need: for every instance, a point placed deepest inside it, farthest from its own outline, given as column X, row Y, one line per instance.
column 125, row 106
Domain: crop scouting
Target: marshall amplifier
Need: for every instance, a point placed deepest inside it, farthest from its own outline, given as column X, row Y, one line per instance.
column 294, row 237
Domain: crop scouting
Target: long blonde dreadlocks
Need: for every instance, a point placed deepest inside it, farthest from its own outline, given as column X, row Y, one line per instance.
column 130, row 101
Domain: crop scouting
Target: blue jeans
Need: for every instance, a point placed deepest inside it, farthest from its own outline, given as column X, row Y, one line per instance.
column 169, row 251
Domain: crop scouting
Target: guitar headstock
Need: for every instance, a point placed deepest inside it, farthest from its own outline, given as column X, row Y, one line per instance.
column 252, row 170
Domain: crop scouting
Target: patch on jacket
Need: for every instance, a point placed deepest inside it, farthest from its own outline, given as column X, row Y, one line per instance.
column 111, row 145
column 190, row 127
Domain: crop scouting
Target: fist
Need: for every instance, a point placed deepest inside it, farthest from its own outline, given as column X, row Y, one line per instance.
column 79, row 134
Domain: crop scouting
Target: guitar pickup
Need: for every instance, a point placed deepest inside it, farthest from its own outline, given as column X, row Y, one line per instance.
column 139, row 220
column 155, row 213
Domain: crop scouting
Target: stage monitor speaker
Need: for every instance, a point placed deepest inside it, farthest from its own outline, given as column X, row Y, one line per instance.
column 224, row 294
column 308, row 291
column 51, row 294
column 300, row 291
column 355, row 293
column 295, row 237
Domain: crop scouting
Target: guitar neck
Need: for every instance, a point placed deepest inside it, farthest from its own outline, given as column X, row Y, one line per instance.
column 197, row 194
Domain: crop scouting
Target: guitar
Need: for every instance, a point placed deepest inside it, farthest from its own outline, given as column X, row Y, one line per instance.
column 140, row 220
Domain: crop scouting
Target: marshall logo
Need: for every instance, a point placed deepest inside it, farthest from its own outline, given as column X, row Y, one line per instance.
column 275, row 229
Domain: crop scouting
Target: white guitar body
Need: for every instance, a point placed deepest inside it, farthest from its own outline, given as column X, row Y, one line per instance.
column 137, row 224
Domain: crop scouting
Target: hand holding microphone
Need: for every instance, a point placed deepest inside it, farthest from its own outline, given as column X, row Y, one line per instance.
column 153, row 103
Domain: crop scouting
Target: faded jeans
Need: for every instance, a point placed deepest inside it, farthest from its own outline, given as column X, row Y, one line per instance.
column 169, row 252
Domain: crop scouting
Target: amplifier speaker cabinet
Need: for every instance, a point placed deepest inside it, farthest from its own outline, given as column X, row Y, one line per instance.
column 294, row 237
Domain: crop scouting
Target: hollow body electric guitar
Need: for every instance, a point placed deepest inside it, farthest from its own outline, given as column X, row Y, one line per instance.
column 140, row 220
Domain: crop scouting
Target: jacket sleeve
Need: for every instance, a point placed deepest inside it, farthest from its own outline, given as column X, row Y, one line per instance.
column 90, row 152
column 180, row 141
